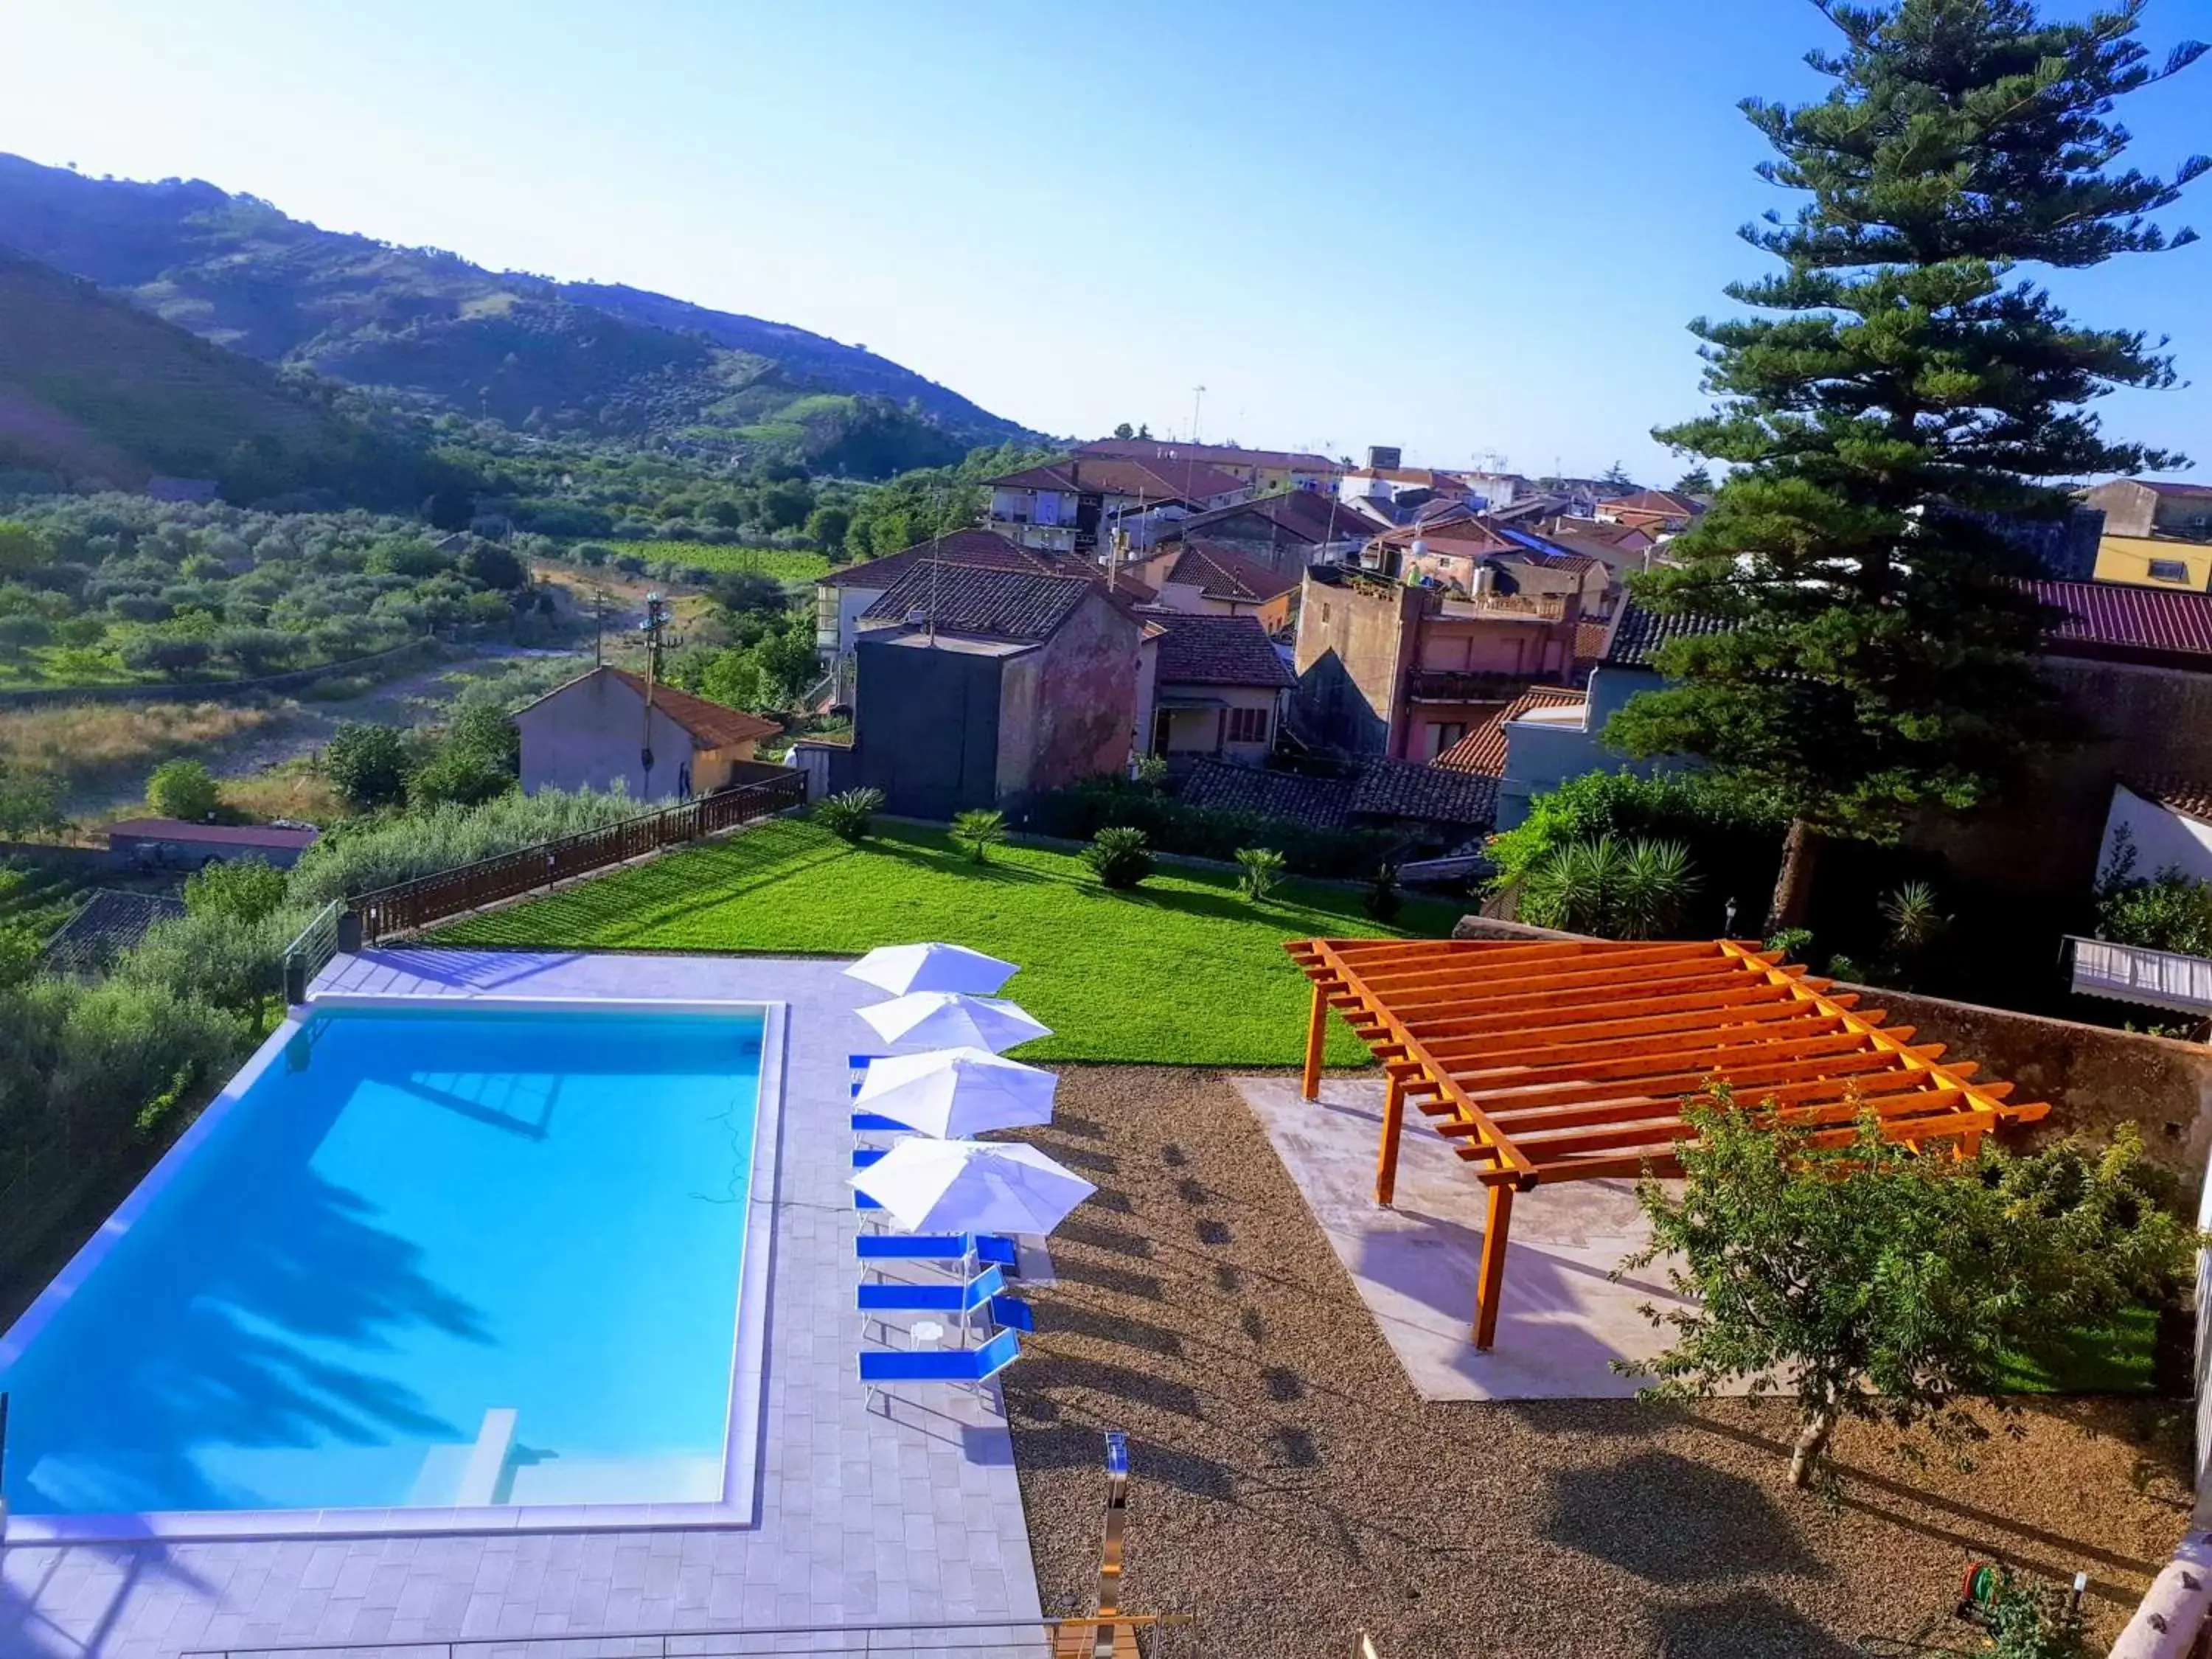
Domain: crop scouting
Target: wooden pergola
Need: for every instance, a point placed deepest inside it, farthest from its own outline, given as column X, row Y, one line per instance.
column 1572, row 1060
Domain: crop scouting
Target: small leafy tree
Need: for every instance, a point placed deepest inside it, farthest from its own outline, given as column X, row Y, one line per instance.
column 849, row 814
column 1876, row 1282
column 2171, row 911
column 245, row 888
column 979, row 831
column 182, row 789
column 1260, row 871
column 30, row 802
column 1382, row 901
column 367, row 764
column 1118, row 856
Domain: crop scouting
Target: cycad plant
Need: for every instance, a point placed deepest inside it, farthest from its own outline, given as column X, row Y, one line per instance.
column 1652, row 890
column 979, row 831
column 1117, row 855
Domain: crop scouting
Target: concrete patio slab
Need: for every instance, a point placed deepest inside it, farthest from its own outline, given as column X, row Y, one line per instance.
column 1563, row 1322
column 860, row 1520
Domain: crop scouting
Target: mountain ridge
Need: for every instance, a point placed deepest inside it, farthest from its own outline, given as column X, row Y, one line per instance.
column 594, row 360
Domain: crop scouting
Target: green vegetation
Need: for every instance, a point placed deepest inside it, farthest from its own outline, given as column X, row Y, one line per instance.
column 979, row 831
column 182, row 789
column 850, row 814
column 1869, row 1281
column 2169, row 911
column 1259, row 872
column 1619, row 889
column 679, row 560
column 1186, row 971
column 1913, row 396
column 1119, row 858
column 1082, row 809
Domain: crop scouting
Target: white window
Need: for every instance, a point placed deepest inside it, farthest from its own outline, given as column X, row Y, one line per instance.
column 1442, row 734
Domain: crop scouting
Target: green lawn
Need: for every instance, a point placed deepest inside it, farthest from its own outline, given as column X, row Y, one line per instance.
column 1183, row 971
column 786, row 564
column 2118, row 1358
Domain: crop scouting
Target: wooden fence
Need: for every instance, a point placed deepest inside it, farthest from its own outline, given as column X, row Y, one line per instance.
column 417, row 903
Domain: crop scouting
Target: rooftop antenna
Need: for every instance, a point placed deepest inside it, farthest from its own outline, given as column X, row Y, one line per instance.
column 1197, row 403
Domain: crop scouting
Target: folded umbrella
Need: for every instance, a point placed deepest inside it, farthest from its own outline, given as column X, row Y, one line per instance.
column 954, row 1093
column 945, row 1019
column 971, row 1187
column 900, row 969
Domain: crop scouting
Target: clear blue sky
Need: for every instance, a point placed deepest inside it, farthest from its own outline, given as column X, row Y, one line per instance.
column 1457, row 228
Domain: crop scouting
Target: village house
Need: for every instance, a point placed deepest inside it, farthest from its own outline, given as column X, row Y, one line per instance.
column 1208, row 685
column 1662, row 511
column 976, row 687
column 2154, row 561
column 1068, row 506
column 1286, row 530
column 1262, row 471
column 596, row 731
column 1406, row 672
column 1206, row 577
column 179, row 843
column 2152, row 506
column 1392, row 487
column 2165, row 821
column 841, row 597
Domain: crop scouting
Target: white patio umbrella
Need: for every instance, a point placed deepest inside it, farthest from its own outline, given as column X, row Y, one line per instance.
column 930, row 1186
column 954, row 1093
column 945, row 1019
column 900, row 969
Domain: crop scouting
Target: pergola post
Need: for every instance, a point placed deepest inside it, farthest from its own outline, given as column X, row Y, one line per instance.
column 1492, row 1281
column 1316, row 1039
column 1386, row 1159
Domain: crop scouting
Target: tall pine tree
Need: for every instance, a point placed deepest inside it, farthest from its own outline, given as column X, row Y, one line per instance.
column 1916, row 392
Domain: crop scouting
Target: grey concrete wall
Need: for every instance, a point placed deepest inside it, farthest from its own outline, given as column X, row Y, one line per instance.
column 1354, row 649
column 926, row 729
column 588, row 735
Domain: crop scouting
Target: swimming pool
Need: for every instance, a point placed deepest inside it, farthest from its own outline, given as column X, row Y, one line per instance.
column 441, row 1264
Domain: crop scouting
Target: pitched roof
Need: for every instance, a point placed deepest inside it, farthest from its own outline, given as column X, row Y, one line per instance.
column 249, row 835
column 1156, row 481
column 1007, row 605
column 1318, row 803
column 1160, row 449
column 1568, row 531
column 984, row 548
column 2102, row 619
column 1483, row 750
column 105, row 926
column 2170, row 486
column 1216, row 569
column 1467, row 537
column 1406, row 789
column 1637, row 634
column 2190, row 798
column 1670, row 503
column 1310, row 515
column 714, row 724
column 1212, row 650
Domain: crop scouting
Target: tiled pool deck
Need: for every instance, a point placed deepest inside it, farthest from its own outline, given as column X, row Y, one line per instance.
column 861, row 1520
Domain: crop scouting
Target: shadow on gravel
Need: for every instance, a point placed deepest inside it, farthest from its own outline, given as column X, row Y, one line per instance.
column 1673, row 1522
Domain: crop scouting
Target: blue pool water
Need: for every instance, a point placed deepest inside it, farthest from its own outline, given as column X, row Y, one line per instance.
column 452, row 1256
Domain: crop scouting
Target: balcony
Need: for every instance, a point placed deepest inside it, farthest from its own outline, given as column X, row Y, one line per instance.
column 2153, row 979
column 1519, row 607
column 1460, row 686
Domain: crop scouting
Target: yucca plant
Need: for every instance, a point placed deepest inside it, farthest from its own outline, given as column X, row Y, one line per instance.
column 979, row 831
column 1915, row 922
column 1262, row 869
column 850, row 813
column 1572, row 889
column 1382, row 900
column 1117, row 855
column 1652, row 889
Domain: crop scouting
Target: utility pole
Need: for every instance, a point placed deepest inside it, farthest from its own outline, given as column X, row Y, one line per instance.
column 653, row 626
column 598, row 627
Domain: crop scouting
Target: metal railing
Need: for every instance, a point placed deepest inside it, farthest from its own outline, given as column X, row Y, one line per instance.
column 412, row 904
column 1031, row 1638
column 2129, row 973
column 311, row 952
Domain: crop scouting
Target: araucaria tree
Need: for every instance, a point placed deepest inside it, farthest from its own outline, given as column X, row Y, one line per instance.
column 1868, row 1280
column 1916, row 392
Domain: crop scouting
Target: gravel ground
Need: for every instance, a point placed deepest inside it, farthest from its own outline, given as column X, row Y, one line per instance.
column 1290, row 1489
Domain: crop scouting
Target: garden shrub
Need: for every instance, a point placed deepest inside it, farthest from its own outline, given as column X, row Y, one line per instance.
column 247, row 889
column 182, row 789
column 849, row 814
column 1261, row 869
column 1620, row 889
column 367, row 764
column 1079, row 812
column 2169, row 911
column 1117, row 855
column 359, row 858
column 1382, row 901
column 979, row 831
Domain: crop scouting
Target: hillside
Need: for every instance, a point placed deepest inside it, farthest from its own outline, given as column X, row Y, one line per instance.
column 581, row 359
column 94, row 389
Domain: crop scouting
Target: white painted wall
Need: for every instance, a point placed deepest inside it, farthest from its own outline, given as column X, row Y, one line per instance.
column 2163, row 839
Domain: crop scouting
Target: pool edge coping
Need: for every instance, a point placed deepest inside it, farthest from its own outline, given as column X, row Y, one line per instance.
column 746, row 1398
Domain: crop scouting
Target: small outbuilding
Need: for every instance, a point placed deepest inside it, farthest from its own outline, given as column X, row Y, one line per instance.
column 595, row 733
column 179, row 843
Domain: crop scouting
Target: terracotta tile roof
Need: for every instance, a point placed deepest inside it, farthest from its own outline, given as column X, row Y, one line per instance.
column 1637, row 634
column 1468, row 538
column 1214, row 569
column 247, row 835
column 2142, row 624
column 1589, row 641
column 1308, row 515
column 1553, row 559
column 1566, row 531
column 1160, row 449
column 1212, row 650
column 2167, row 486
column 1155, row 481
column 108, row 924
column 1483, row 750
column 1007, row 605
column 713, row 724
column 1317, row 803
column 1666, row 502
column 2188, row 799
column 1405, row 789
column 984, row 548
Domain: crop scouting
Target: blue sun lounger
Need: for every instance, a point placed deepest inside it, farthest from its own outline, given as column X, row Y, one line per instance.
column 986, row 1248
column 934, row 1298
column 972, row 1367
column 871, row 1122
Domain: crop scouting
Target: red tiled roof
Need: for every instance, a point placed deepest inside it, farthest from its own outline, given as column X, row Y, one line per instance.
column 2167, row 486
column 1010, row 605
column 1226, row 573
column 984, row 548
column 2191, row 799
column 1483, row 750
column 1467, row 537
column 2102, row 619
column 1589, row 641
column 1668, row 503
column 1310, row 515
column 1160, row 449
column 1212, row 650
column 214, row 835
column 1152, row 481
column 713, row 724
